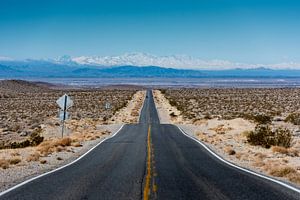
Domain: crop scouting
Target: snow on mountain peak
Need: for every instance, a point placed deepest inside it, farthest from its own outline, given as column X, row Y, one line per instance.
column 4, row 58
column 143, row 59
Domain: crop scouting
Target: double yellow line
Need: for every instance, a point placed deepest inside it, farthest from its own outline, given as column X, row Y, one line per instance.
column 149, row 159
column 150, row 171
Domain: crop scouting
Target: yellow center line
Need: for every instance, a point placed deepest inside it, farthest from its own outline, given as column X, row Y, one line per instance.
column 148, row 176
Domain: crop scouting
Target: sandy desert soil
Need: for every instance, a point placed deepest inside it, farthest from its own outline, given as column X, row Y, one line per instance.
column 130, row 113
column 227, row 135
column 29, row 109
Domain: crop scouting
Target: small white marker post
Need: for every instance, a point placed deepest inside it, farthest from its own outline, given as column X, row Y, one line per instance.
column 64, row 102
column 107, row 105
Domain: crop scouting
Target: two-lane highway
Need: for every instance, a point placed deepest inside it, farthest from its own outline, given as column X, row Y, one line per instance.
column 150, row 160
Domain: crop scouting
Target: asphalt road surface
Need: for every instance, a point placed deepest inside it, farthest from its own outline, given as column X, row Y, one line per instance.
column 150, row 161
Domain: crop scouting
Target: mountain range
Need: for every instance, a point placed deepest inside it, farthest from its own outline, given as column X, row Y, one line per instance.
column 134, row 65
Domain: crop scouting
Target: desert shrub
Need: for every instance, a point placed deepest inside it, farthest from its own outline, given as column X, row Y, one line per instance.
column 43, row 161
column 15, row 128
column 59, row 158
column 172, row 114
column 163, row 91
column 230, row 151
column 173, row 102
column 245, row 133
column 33, row 157
column 282, row 171
column 261, row 118
column 15, row 145
column 264, row 136
column 36, row 138
column 282, row 137
column 14, row 160
column 207, row 116
column 260, row 136
column 294, row 118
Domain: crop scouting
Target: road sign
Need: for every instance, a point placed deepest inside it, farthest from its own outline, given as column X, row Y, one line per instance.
column 107, row 105
column 63, row 116
column 64, row 102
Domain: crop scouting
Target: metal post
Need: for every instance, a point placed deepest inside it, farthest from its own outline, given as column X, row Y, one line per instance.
column 62, row 128
column 63, row 125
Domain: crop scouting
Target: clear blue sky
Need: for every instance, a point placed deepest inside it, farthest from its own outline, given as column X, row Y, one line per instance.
column 252, row 31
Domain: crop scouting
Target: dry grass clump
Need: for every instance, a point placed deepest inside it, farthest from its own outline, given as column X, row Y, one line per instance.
column 78, row 138
column 15, row 153
column 76, row 144
column 4, row 163
column 33, row 157
column 59, row 158
column 294, row 118
column 238, row 155
column 43, row 161
column 15, row 160
column 135, row 113
column 64, row 142
column 294, row 177
column 202, row 136
column 55, row 145
column 279, row 170
column 220, row 129
column 287, row 151
column 278, row 149
column 282, row 171
column 260, row 155
column 230, row 151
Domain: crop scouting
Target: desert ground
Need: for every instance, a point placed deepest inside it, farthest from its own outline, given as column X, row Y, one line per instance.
column 257, row 129
column 30, row 131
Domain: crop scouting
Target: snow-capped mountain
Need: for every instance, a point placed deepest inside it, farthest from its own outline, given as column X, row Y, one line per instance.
column 143, row 59
column 140, row 65
column 172, row 61
column 4, row 58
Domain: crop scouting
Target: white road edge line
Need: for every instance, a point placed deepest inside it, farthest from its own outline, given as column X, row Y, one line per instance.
column 240, row 168
column 57, row 169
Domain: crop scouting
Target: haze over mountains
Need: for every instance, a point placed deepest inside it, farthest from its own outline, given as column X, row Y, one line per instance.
column 139, row 65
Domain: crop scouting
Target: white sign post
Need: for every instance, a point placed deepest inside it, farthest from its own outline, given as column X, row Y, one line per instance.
column 64, row 102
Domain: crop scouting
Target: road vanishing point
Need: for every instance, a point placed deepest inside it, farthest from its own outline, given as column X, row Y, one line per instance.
column 150, row 160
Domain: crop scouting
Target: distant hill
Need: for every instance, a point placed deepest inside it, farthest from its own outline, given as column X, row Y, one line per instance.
column 39, row 69
column 6, row 71
column 133, row 71
column 23, row 86
column 256, row 72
